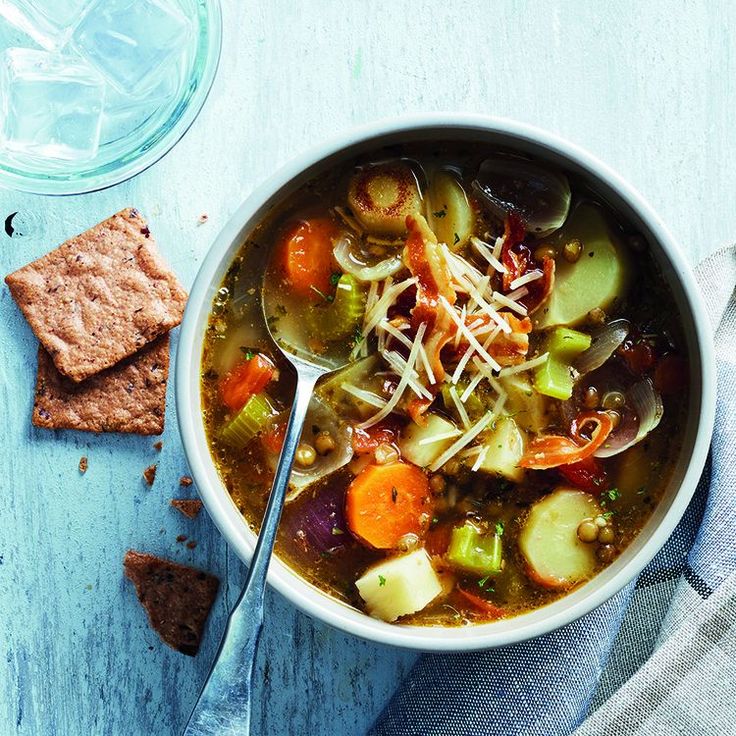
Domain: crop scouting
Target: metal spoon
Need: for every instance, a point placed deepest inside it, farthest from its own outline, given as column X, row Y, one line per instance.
column 224, row 706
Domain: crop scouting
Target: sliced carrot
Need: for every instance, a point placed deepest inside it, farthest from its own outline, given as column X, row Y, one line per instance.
column 306, row 249
column 491, row 610
column 245, row 380
column 386, row 502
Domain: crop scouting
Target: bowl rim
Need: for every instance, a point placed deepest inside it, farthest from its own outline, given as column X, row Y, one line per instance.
column 121, row 171
column 303, row 594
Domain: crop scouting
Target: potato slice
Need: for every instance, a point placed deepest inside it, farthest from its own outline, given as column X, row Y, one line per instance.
column 399, row 586
column 554, row 555
column 505, row 445
column 419, row 443
column 381, row 196
column 595, row 280
column 448, row 211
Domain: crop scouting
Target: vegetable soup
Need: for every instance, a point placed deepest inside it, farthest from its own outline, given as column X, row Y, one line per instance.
column 513, row 405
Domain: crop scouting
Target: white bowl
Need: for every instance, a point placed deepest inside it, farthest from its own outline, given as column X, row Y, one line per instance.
column 696, row 435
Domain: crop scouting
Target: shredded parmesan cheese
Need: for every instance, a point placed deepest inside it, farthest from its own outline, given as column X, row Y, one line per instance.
column 525, row 366
column 463, row 414
column 484, row 249
column 510, row 303
column 469, row 335
column 367, row 396
column 403, row 382
column 463, row 441
column 526, row 279
column 450, row 434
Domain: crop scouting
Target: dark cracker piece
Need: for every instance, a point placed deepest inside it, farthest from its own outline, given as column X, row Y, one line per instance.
column 176, row 598
column 130, row 397
column 100, row 296
column 190, row 507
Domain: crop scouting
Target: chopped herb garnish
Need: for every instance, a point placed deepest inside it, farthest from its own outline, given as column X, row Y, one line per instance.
column 613, row 494
column 394, row 494
column 381, row 581
column 336, row 531
column 607, row 514
column 499, row 528
column 482, row 584
column 247, row 352
column 435, row 520
column 335, row 278
column 457, row 239
column 439, row 213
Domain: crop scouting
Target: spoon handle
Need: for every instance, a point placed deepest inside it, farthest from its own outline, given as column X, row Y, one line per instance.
column 224, row 706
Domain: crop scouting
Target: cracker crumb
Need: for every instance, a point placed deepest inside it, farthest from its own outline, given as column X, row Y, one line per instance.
column 149, row 474
column 190, row 507
column 185, row 481
column 83, row 464
column 158, row 446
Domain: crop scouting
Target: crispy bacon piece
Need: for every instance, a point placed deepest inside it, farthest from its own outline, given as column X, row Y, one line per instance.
column 519, row 260
column 515, row 256
column 551, row 451
column 426, row 261
column 507, row 348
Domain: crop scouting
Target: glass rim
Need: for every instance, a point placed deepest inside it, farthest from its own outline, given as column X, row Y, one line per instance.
column 156, row 144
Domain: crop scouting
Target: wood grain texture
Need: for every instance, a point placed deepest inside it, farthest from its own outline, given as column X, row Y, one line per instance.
column 648, row 87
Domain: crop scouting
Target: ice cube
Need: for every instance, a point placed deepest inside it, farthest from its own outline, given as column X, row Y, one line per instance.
column 132, row 42
column 50, row 105
column 48, row 22
column 124, row 114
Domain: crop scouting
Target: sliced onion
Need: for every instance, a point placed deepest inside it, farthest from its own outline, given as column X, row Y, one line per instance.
column 539, row 196
column 352, row 261
column 604, row 345
column 648, row 408
column 319, row 522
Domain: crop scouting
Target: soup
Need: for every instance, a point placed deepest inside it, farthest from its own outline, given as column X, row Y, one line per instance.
column 511, row 409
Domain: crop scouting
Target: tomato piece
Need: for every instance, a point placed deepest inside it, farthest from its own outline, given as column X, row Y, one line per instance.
column 670, row 375
column 587, row 474
column 638, row 356
column 273, row 438
column 383, row 433
column 246, row 379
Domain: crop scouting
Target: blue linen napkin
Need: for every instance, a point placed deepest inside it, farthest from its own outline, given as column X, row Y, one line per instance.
column 657, row 658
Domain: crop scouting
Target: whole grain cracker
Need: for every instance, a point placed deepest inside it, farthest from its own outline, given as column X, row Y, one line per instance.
column 129, row 397
column 176, row 598
column 100, row 296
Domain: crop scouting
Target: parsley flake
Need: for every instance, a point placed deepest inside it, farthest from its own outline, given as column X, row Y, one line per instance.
column 499, row 528
column 381, row 581
column 439, row 213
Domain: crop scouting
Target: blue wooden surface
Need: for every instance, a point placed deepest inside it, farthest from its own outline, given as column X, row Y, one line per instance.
column 649, row 87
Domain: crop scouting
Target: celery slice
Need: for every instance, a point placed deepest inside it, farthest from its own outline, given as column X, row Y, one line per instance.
column 555, row 377
column 344, row 315
column 469, row 550
column 473, row 404
column 249, row 421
